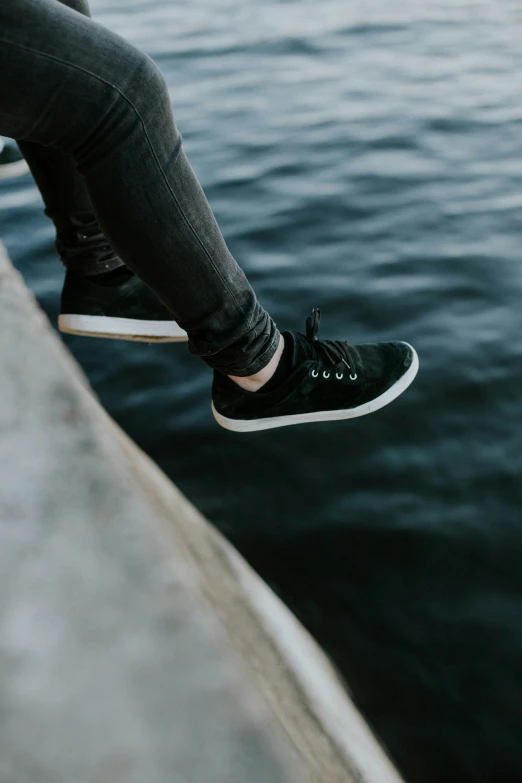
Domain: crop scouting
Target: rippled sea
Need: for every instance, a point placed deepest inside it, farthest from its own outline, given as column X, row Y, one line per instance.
column 365, row 158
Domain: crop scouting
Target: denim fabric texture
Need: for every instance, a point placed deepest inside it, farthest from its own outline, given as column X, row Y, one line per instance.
column 93, row 115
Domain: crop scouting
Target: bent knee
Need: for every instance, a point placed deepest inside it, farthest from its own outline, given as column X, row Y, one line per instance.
column 138, row 86
column 134, row 94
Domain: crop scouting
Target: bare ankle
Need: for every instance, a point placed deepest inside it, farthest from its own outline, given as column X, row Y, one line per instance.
column 254, row 382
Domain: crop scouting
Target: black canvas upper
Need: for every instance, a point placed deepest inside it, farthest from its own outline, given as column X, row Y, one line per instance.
column 130, row 299
column 81, row 244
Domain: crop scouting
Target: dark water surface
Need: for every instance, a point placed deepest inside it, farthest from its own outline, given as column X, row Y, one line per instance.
column 365, row 158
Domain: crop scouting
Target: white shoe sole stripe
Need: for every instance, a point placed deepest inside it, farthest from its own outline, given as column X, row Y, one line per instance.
column 252, row 425
column 122, row 328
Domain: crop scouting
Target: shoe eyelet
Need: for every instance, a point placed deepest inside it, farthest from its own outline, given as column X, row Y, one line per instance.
column 339, row 376
column 314, row 374
column 353, row 377
column 326, row 374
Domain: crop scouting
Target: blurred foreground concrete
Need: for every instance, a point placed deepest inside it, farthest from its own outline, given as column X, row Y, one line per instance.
column 136, row 646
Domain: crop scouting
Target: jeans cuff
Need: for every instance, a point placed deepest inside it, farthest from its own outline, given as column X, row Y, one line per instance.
column 258, row 363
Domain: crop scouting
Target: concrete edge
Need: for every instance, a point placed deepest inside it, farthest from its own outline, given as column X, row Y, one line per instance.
column 295, row 676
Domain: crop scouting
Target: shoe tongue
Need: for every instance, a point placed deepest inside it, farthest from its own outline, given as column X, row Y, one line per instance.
column 299, row 345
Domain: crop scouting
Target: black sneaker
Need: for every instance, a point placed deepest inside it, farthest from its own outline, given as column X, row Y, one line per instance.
column 330, row 380
column 12, row 163
column 101, row 297
column 127, row 310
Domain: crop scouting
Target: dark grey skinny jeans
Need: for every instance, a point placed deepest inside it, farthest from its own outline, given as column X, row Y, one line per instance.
column 93, row 117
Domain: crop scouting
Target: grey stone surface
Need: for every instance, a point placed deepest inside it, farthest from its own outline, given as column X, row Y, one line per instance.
column 135, row 644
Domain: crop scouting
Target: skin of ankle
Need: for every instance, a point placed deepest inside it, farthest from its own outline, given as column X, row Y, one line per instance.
column 254, row 382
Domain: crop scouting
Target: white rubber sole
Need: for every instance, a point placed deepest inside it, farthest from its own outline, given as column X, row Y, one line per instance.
column 122, row 328
column 11, row 170
column 251, row 425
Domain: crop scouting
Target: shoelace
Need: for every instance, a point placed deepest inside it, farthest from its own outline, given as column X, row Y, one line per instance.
column 335, row 352
column 91, row 239
column 80, row 239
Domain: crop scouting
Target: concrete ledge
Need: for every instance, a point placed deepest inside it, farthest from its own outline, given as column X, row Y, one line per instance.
column 135, row 643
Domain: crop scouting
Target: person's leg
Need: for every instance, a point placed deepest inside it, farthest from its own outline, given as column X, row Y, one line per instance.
column 67, row 202
column 101, row 297
column 89, row 93
column 62, row 187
